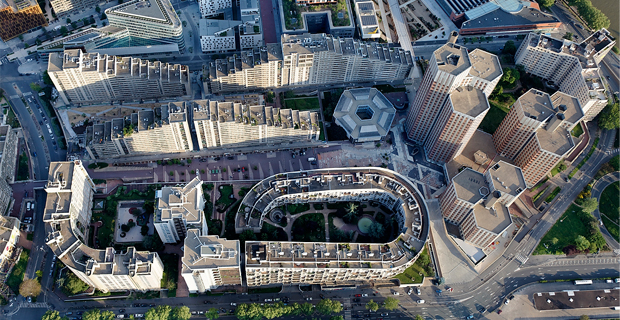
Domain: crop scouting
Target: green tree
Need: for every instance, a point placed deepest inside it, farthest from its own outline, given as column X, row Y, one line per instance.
column 68, row 20
column 589, row 205
column 554, row 240
column 180, row 313
column 64, row 31
column 104, row 16
column 161, row 312
column 96, row 314
column 39, row 273
column 73, row 284
column 212, row 314
column 248, row 311
column 144, row 230
column 351, row 211
column 510, row 76
column 306, row 308
column 568, row 36
column 328, row 306
column 546, row 3
column 97, row 9
column 46, row 78
column 372, row 305
column 152, row 242
column 582, row 243
column 584, row 317
column 52, row 315
column 376, row 230
column 390, row 303
column 336, row 318
column 247, row 235
column 609, row 118
column 509, row 47
column 418, row 317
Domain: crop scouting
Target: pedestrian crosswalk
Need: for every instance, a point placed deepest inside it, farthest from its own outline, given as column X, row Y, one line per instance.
column 34, row 305
column 521, row 258
column 570, row 262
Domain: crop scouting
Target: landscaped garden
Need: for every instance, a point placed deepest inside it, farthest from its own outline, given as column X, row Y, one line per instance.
column 171, row 272
column 420, row 269
column 609, row 206
column 226, row 199
column 17, row 274
column 576, row 231
column 309, row 227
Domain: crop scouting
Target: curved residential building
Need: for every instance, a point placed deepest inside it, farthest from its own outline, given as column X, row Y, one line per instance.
column 269, row 262
column 148, row 20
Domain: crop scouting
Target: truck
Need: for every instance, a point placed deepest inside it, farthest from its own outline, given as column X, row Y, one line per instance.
column 581, row 282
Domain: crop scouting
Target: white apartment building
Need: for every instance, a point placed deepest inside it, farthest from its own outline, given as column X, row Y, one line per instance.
column 251, row 31
column 228, row 124
column 217, row 35
column 83, row 78
column 209, row 8
column 63, row 7
column 165, row 129
column 148, row 20
column 332, row 263
column 179, row 209
column 572, row 66
column 67, row 214
column 209, row 262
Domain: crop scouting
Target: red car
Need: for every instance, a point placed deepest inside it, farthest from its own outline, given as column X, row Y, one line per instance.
column 358, row 295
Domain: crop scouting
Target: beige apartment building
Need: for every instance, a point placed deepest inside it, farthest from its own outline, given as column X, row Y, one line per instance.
column 148, row 20
column 210, row 262
column 451, row 67
column 164, row 129
column 478, row 202
column 83, row 78
column 572, row 66
column 179, row 209
column 227, row 125
column 63, row 7
column 67, row 216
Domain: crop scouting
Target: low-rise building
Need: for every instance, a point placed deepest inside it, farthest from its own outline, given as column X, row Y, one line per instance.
column 19, row 16
column 367, row 21
column 365, row 114
column 178, row 209
column 218, row 35
column 67, row 214
column 209, row 8
column 210, row 262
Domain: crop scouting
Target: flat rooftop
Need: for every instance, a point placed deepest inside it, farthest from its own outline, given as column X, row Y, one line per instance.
column 155, row 10
column 469, row 100
column 495, row 219
column 507, row 178
column 209, row 27
column 452, row 58
column 186, row 201
column 576, row 299
column 536, row 104
column 526, row 17
column 208, row 252
column 569, row 105
column 484, row 65
column 558, row 141
column 481, row 147
column 470, row 185
column 364, row 113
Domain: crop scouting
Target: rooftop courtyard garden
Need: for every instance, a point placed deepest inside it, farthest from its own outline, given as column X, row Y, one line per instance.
column 293, row 19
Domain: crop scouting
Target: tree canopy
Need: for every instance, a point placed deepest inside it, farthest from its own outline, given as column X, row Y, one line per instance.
column 328, row 306
column 376, row 230
column 509, row 47
column 161, row 312
column 30, row 288
column 180, row 313
column 546, row 3
column 595, row 18
column 52, row 315
column 390, row 303
column 372, row 305
column 609, row 118
column 582, row 243
column 212, row 314
column 96, row 314
column 589, row 205
column 510, row 76
column 73, row 284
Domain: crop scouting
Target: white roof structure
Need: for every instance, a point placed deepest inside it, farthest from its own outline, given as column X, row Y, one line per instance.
column 365, row 114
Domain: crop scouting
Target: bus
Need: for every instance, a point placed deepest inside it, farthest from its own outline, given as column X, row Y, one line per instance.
column 579, row 282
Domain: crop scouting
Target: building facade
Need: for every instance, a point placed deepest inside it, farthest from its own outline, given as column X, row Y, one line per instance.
column 228, row 125
column 9, row 237
column 572, row 66
column 165, row 129
column 67, row 215
column 19, row 16
column 83, row 78
column 209, row 8
column 8, row 153
column 148, row 20
column 64, row 7
column 218, row 35
column 179, row 209
column 210, row 262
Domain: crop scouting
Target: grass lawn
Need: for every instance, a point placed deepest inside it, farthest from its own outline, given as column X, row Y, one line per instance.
column 22, row 169
column 309, row 227
column 608, row 205
column 171, row 271
column 612, row 165
column 566, row 229
column 272, row 233
column 558, row 168
column 577, row 131
column 225, row 191
column 412, row 274
column 570, row 175
column 553, row 194
column 308, row 103
column 298, row 208
column 493, row 118
column 17, row 274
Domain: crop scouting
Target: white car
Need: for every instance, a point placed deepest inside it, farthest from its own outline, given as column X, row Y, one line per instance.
column 308, row 299
column 365, row 295
column 233, row 304
column 396, row 293
column 420, row 301
column 410, row 291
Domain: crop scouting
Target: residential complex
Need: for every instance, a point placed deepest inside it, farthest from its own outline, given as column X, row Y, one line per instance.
column 209, row 262
column 572, row 66
column 367, row 22
column 251, row 29
column 478, row 202
column 148, row 20
column 317, row 16
column 9, row 237
column 8, row 161
column 535, row 133
column 209, row 8
column 218, row 35
column 332, row 263
column 444, row 127
column 19, row 16
column 179, row 209
column 164, row 129
column 63, row 7
column 67, row 216
column 228, row 125
column 83, row 78
column 365, row 114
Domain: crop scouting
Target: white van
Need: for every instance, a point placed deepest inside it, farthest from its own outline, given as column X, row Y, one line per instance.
column 311, row 159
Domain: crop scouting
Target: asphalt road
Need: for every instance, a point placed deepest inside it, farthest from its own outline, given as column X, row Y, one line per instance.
column 600, row 185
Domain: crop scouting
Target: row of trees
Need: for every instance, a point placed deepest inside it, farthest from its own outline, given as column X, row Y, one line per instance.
column 255, row 311
column 157, row 313
column 595, row 18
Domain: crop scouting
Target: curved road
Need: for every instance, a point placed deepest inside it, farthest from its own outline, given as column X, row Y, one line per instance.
column 600, row 185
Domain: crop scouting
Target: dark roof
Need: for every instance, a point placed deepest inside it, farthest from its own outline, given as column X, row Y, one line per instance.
column 501, row 18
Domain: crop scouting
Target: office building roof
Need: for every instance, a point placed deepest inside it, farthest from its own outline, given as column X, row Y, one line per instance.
column 364, row 113
column 536, row 104
column 500, row 18
column 181, row 202
column 568, row 105
column 557, row 141
column 160, row 11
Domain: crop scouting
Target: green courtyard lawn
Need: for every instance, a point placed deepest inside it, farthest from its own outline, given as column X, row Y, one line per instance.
column 303, row 103
column 608, row 205
column 171, row 272
column 17, row 274
column 297, row 208
column 422, row 265
column 493, row 118
column 270, row 232
column 566, row 229
column 309, row 227
column 225, row 200
column 577, row 131
column 22, row 168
